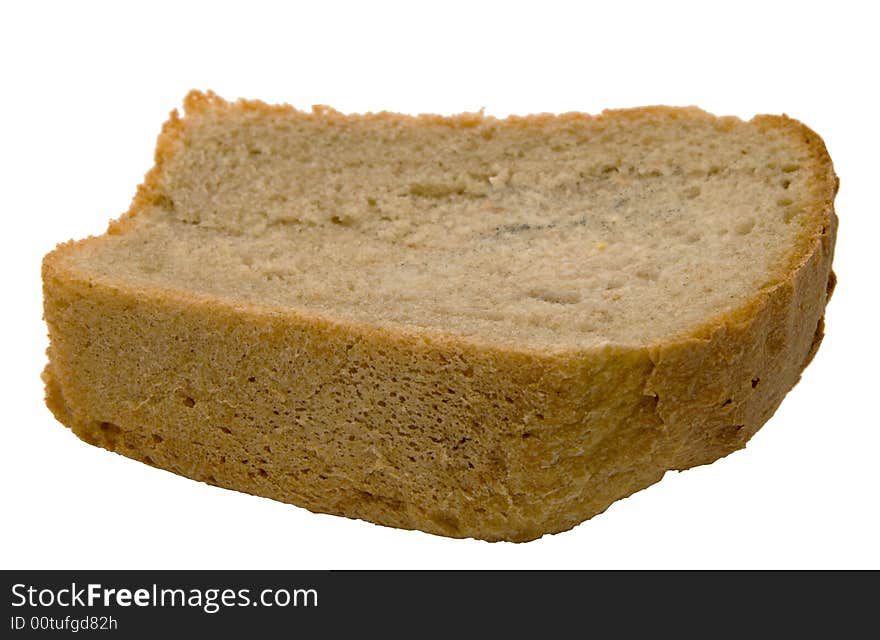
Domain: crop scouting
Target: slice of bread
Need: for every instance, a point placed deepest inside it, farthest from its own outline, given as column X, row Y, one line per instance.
column 466, row 325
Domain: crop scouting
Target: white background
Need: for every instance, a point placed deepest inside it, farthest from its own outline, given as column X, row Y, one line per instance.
column 86, row 86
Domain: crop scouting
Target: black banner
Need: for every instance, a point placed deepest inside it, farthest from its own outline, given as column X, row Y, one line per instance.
column 288, row 604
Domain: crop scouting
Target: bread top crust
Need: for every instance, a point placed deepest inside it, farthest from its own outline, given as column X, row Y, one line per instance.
column 813, row 236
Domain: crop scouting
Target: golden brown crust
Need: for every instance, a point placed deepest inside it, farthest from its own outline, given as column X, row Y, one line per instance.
column 553, row 438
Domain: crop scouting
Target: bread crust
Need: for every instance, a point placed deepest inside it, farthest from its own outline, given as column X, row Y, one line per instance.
column 531, row 442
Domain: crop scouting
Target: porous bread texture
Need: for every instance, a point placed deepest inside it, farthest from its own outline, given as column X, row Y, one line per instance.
column 544, row 232
column 469, row 326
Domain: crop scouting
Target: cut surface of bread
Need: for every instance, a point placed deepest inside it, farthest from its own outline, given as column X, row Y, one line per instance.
column 465, row 325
